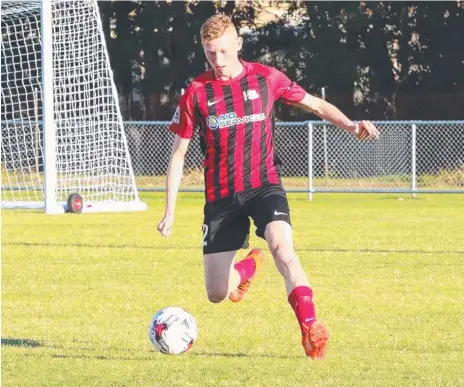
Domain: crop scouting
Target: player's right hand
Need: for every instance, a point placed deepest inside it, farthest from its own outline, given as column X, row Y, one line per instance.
column 165, row 226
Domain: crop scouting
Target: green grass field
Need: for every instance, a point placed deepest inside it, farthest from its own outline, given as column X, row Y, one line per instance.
column 78, row 292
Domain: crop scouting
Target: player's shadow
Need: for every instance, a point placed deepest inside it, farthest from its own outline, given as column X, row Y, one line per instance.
column 25, row 343
column 152, row 356
column 146, row 355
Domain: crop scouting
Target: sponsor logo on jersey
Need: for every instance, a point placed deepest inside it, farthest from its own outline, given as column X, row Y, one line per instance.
column 231, row 119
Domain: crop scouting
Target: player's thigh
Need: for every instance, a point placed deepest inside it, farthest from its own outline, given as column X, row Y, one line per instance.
column 270, row 207
column 217, row 268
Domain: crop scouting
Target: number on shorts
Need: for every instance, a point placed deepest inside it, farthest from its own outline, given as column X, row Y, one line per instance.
column 205, row 233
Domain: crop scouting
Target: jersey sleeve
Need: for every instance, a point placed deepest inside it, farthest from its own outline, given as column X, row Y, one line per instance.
column 285, row 89
column 183, row 121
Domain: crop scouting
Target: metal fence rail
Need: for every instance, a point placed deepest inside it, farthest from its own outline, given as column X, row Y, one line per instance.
column 409, row 157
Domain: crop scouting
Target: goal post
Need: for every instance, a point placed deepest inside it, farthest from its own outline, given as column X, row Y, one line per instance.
column 61, row 128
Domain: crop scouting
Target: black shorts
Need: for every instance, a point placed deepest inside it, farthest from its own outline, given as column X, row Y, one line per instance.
column 226, row 226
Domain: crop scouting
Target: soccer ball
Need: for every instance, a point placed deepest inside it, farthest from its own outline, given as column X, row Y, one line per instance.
column 173, row 330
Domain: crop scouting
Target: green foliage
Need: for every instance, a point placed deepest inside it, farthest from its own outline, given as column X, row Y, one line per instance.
column 380, row 60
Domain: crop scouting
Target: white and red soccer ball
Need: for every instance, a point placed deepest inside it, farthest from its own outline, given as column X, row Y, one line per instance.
column 172, row 330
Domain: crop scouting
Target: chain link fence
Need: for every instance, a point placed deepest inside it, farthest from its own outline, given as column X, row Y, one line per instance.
column 410, row 156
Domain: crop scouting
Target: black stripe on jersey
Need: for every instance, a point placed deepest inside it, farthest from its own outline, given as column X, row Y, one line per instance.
column 263, row 93
column 277, row 160
column 247, row 146
column 202, row 124
column 216, row 136
column 203, row 133
column 227, row 90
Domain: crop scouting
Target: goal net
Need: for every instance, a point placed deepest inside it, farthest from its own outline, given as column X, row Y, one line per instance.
column 61, row 128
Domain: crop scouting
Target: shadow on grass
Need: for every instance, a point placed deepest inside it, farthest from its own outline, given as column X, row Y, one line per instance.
column 20, row 343
column 316, row 250
column 242, row 354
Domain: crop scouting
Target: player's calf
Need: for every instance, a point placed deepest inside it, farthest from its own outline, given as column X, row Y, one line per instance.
column 315, row 335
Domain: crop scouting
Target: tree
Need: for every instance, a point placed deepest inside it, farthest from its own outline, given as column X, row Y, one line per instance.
column 377, row 60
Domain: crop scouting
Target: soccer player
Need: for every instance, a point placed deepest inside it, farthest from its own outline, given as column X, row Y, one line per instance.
column 232, row 105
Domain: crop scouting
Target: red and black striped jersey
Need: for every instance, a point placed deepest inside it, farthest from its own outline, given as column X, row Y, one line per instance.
column 236, row 126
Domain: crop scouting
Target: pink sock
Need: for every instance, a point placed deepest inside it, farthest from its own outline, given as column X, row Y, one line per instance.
column 301, row 300
column 246, row 268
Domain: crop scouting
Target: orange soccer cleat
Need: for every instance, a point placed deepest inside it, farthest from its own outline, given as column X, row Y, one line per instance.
column 315, row 339
column 239, row 294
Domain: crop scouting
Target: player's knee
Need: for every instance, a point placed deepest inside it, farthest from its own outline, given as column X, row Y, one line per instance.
column 215, row 296
column 215, row 299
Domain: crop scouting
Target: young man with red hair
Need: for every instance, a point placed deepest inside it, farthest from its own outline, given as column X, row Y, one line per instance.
column 232, row 104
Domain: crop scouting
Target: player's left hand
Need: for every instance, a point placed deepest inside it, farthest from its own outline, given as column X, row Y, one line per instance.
column 366, row 130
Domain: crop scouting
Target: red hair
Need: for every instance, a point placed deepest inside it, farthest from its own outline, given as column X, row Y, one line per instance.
column 215, row 27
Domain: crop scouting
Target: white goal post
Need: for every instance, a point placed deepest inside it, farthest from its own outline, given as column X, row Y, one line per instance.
column 61, row 127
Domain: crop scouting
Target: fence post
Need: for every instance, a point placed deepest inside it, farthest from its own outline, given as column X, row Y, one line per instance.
column 310, row 161
column 413, row 159
column 326, row 162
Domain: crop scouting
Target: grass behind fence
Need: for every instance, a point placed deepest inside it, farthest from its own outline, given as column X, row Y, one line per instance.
column 443, row 179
